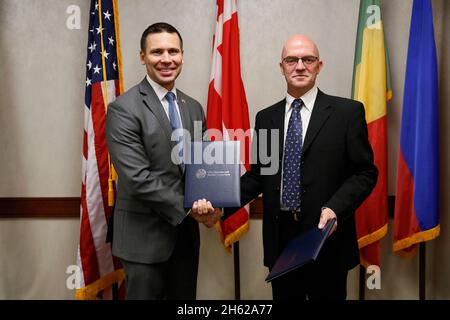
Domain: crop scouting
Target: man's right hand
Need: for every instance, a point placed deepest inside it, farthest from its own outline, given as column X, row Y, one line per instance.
column 202, row 206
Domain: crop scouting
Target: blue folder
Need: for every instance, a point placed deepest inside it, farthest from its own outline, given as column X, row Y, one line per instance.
column 212, row 172
column 301, row 250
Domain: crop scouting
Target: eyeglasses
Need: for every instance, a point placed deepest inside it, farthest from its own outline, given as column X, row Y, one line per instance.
column 307, row 61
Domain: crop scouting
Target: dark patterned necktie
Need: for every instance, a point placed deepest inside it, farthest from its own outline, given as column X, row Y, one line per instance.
column 291, row 196
column 175, row 122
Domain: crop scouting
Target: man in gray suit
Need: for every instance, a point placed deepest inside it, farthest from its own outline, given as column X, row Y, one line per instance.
column 155, row 237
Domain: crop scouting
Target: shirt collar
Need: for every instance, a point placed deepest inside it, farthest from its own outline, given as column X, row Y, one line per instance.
column 160, row 90
column 309, row 98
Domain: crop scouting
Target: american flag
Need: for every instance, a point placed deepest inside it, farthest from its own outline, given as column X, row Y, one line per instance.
column 99, row 269
column 227, row 104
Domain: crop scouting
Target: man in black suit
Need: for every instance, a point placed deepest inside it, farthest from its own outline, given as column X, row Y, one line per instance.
column 324, row 170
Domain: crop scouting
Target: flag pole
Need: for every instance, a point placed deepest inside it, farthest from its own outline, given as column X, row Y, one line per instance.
column 362, row 280
column 237, row 273
column 422, row 269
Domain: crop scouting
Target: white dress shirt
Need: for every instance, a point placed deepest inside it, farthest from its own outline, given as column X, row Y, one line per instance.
column 308, row 99
column 161, row 93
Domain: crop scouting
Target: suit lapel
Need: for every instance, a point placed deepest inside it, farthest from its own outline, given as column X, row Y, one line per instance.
column 184, row 111
column 319, row 116
column 152, row 102
column 185, row 120
column 277, row 120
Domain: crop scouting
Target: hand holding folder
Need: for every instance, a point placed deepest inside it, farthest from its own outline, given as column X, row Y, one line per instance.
column 212, row 172
column 203, row 211
column 301, row 250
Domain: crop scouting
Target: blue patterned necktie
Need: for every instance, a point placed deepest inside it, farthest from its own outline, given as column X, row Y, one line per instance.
column 175, row 121
column 291, row 196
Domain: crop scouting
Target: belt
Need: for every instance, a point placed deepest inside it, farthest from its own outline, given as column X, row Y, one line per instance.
column 295, row 215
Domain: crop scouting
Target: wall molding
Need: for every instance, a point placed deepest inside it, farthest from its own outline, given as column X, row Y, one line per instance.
column 40, row 207
column 69, row 207
column 66, row 207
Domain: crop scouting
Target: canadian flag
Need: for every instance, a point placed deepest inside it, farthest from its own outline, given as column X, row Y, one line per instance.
column 227, row 109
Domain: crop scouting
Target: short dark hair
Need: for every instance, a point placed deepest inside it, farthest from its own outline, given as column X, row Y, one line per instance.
column 159, row 27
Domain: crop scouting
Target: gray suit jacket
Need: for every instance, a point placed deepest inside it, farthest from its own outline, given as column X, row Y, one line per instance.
column 150, row 189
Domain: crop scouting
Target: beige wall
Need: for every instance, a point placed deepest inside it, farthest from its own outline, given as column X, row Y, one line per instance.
column 441, row 245
column 41, row 118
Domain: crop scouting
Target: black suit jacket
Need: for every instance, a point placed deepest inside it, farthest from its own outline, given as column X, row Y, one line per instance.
column 337, row 172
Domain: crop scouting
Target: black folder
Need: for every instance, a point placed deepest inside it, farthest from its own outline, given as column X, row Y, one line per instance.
column 213, row 172
column 301, row 250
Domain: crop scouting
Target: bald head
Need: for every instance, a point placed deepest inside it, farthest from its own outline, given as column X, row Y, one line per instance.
column 299, row 41
column 300, row 64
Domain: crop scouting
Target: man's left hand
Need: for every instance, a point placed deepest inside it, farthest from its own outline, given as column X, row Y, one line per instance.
column 327, row 214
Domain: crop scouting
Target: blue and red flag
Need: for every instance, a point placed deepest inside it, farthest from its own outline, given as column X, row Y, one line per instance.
column 417, row 197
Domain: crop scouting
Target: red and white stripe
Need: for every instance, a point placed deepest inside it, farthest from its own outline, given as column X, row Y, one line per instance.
column 227, row 105
column 94, row 254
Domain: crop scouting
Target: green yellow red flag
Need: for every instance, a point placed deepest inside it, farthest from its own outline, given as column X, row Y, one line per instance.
column 372, row 87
